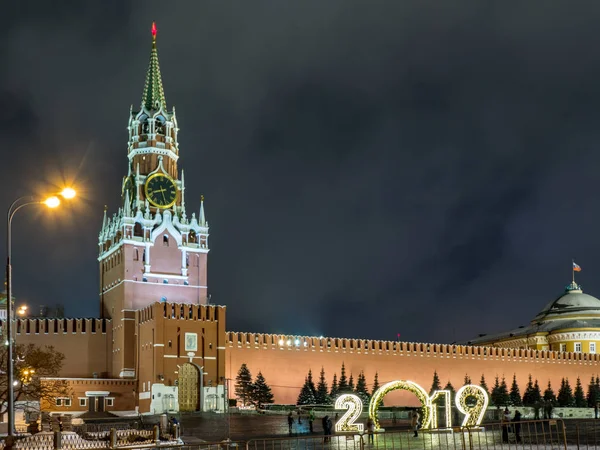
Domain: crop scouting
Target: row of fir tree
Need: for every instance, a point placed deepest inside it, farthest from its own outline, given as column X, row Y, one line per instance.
column 258, row 392
column 501, row 395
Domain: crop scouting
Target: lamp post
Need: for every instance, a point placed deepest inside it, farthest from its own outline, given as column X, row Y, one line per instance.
column 21, row 202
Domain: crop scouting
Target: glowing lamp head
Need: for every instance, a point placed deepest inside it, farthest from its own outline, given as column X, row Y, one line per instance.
column 280, row 341
column 68, row 193
column 52, row 202
column 297, row 342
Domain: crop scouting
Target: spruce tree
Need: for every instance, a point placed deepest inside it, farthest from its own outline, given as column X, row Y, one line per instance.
column 322, row 396
column 515, row 394
column 483, row 384
column 343, row 382
column 334, row 389
column 351, row 383
column 450, row 388
column 467, row 379
column 376, row 386
column 361, row 389
column 306, row 396
column 565, row 396
column 500, row 396
column 243, row 385
column 580, row 401
column 528, row 395
column 261, row 394
column 537, row 392
column 435, row 384
column 311, row 383
column 549, row 394
column 592, row 394
column 375, row 383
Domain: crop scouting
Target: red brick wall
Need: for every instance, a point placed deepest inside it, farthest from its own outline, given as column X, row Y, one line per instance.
column 285, row 367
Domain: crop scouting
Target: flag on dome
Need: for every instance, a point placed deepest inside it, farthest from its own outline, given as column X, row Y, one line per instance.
column 576, row 267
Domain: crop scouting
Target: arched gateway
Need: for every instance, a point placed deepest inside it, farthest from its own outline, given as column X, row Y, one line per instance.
column 189, row 387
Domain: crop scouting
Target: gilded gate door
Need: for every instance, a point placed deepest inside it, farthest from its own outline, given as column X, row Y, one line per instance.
column 189, row 388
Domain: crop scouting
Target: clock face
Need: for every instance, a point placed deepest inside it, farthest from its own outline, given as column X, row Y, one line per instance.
column 128, row 186
column 161, row 190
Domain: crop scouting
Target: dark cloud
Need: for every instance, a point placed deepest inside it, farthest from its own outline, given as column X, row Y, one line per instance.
column 370, row 168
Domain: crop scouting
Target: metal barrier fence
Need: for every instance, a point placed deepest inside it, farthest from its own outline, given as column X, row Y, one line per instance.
column 538, row 434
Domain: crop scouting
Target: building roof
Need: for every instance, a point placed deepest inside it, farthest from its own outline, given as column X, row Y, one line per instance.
column 573, row 309
column 154, row 94
column 572, row 302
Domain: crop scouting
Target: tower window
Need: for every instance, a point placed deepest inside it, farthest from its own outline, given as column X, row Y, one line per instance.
column 166, row 240
column 137, row 230
column 136, row 254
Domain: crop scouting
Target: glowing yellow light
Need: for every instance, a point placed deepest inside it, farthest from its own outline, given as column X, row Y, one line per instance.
column 404, row 385
column 68, row 193
column 52, row 202
column 434, row 408
column 354, row 405
column 473, row 413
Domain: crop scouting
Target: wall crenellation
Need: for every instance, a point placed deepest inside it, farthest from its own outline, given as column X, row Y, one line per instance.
column 180, row 311
column 367, row 346
column 24, row 326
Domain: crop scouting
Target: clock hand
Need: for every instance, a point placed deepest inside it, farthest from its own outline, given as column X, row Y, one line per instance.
column 163, row 195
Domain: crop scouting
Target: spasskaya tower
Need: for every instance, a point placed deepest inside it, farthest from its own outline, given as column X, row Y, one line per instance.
column 150, row 249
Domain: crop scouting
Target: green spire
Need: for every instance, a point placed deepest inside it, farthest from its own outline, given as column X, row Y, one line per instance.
column 153, row 89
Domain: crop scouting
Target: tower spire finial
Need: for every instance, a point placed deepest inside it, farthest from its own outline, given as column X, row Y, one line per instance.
column 154, row 94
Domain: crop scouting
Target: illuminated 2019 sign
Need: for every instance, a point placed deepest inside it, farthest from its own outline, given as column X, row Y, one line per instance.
column 473, row 410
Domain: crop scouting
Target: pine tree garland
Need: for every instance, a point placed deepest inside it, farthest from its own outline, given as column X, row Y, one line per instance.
column 537, row 393
column 243, row 385
column 467, row 379
column 351, row 383
column 515, row 394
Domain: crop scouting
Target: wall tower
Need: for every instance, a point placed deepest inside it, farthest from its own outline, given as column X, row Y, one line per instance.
column 150, row 250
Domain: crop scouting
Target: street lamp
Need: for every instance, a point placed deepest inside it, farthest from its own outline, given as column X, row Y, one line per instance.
column 21, row 202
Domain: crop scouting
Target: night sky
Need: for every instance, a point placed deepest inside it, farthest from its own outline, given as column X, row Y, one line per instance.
column 370, row 167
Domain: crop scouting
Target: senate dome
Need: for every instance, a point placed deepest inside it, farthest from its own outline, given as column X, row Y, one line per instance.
column 573, row 303
column 571, row 323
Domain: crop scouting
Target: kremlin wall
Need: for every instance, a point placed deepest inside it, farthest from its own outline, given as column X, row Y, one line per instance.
column 285, row 361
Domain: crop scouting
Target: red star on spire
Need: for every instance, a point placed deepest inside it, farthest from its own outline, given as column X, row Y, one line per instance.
column 154, row 30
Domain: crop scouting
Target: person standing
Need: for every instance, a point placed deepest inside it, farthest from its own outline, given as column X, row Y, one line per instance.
column 290, row 422
column 517, row 425
column 370, row 429
column 505, row 423
column 414, row 422
column 325, row 423
column 311, row 418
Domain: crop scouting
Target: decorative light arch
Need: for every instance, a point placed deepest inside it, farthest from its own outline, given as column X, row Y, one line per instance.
column 403, row 385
